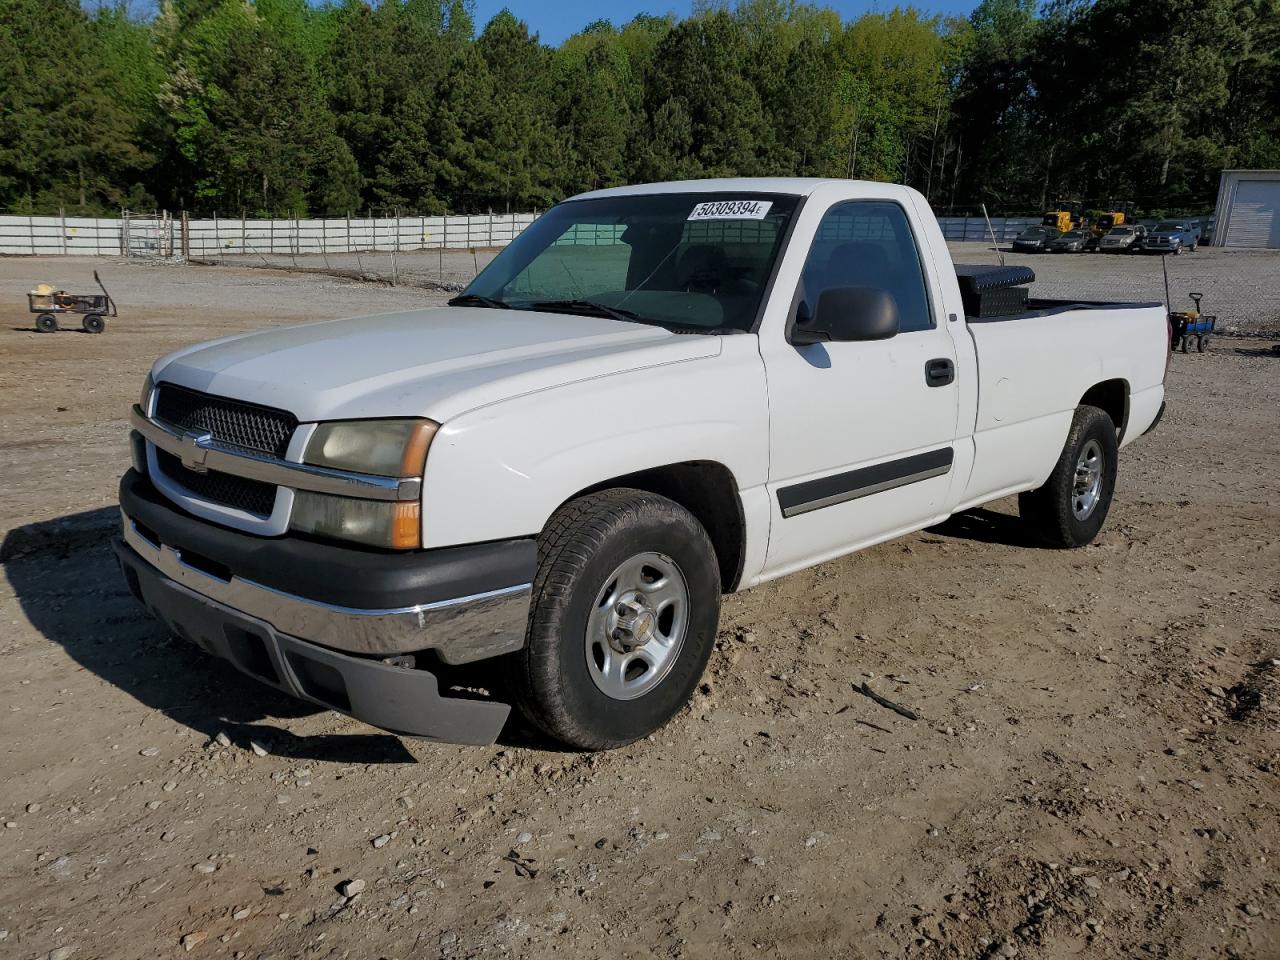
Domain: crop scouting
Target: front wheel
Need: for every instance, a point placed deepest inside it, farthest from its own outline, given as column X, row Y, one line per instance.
column 626, row 602
column 1069, row 510
column 93, row 323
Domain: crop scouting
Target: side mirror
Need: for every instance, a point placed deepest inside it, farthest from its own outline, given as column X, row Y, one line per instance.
column 848, row 314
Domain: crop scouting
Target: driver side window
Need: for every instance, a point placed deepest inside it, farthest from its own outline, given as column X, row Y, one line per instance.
column 868, row 243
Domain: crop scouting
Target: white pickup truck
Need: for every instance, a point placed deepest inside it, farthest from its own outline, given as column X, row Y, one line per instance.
column 656, row 395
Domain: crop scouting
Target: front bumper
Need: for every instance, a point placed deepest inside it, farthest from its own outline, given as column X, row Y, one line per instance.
column 464, row 603
column 404, row 701
column 317, row 620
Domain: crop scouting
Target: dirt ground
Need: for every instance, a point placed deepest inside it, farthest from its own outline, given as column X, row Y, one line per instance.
column 1094, row 772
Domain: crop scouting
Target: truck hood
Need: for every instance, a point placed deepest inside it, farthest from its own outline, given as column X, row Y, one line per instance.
column 430, row 363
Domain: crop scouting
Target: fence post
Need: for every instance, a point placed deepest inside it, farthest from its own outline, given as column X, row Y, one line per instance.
column 31, row 233
column 62, row 213
column 217, row 239
column 348, row 250
column 186, row 237
column 395, row 247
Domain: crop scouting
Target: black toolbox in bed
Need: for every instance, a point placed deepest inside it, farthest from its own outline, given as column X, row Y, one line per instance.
column 993, row 291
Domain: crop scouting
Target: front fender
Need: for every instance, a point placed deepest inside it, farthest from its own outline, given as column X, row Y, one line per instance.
column 502, row 470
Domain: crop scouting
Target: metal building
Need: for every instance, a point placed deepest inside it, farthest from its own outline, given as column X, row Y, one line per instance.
column 1248, row 210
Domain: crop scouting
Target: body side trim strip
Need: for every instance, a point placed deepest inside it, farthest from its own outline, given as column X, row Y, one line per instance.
column 812, row 495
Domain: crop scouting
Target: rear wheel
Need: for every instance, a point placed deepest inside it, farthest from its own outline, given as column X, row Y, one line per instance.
column 1202, row 343
column 1186, row 343
column 1069, row 510
column 625, row 607
column 46, row 323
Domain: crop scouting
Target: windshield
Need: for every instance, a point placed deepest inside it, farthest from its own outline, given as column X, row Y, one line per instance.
column 1035, row 233
column 1073, row 235
column 1120, row 231
column 678, row 260
column 1168, row 228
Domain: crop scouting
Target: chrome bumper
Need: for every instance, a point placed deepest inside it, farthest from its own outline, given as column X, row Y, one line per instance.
column 459, row 630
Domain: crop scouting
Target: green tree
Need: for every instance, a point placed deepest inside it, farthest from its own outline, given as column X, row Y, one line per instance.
column 698, row 73
column 68, row 137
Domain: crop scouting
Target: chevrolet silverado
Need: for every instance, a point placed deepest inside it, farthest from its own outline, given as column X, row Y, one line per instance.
column 656, row 395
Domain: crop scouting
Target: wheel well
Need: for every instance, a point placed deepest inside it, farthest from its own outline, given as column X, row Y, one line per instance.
column 1112, row 397
column 709, row 491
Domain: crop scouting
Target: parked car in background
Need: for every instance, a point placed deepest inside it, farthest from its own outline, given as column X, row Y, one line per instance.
column 1035, row 239
column 1073, row 241
column 1173, row 236
column 1125, row 239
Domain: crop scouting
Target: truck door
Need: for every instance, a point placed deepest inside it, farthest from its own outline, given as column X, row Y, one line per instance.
column 861, row 433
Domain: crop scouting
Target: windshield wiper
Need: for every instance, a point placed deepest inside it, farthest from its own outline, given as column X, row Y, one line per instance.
column 475, row 300
column 591, row 308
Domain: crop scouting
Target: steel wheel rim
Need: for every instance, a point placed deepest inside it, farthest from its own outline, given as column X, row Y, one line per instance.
column 637, row 626
column 1087, row 488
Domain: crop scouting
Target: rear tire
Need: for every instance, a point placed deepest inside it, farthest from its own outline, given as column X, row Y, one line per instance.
column 1202, row 343
column 47, row 323
column 1069, row 510
column 626, row 602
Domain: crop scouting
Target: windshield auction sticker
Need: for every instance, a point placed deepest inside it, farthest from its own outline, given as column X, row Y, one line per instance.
column 731, row 210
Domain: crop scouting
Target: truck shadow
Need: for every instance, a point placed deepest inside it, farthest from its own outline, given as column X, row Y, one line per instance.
column 986, row 526
column 1272, row 351
column 68, row 584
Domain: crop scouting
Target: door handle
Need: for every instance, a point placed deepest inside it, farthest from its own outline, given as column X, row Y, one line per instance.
column 940, row 372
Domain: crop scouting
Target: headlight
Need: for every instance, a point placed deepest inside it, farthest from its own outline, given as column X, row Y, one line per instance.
column 144, row 401
column 388, row 448
column 395, row 524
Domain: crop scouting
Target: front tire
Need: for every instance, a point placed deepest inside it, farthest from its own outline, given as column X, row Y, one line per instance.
column 626, row 602
column 1069, row 510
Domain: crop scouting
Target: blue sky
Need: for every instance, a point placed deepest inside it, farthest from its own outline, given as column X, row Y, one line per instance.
column 558, row 19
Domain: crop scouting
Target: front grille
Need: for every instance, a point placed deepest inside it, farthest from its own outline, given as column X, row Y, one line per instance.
column 239, row 493
column 232, row 422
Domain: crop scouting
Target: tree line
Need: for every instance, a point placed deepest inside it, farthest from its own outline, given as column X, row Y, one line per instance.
column 289, row 107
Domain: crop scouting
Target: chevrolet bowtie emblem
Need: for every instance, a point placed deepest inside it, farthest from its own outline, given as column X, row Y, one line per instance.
column 195, row 447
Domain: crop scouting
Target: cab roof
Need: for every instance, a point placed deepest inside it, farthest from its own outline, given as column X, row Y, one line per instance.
column 794, row 186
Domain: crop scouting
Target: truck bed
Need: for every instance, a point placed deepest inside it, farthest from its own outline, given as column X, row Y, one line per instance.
column 1038, row 365
column 1047, row 307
